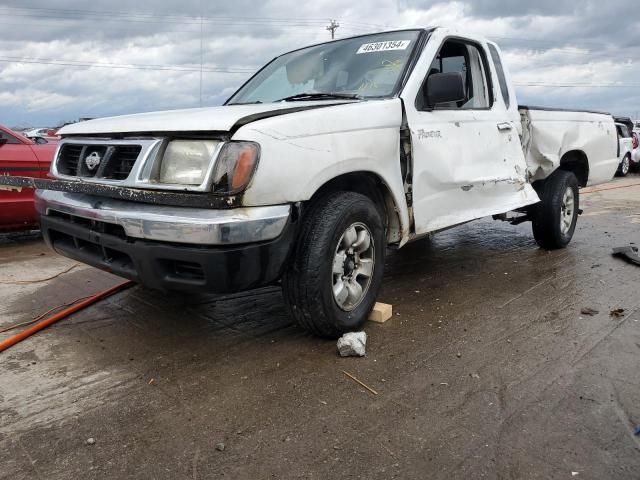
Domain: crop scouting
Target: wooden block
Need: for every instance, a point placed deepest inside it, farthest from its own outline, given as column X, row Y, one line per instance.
column 381, row 312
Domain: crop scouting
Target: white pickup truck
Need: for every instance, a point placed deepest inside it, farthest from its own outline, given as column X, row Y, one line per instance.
column 321, row 160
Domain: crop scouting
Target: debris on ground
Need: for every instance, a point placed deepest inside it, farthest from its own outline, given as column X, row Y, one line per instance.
column 359, row 382
column 381, row 312
column 220, row 447
column 629, row 253
column 91, row 441
column 352, row 344
column 589, row 311
column 617, row 312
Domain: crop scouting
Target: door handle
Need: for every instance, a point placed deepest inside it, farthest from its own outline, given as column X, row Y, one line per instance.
column 504, row 126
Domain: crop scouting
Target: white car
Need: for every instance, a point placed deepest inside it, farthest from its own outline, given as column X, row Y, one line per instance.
column 323, row 158
column 35, row 132
column 625, row 149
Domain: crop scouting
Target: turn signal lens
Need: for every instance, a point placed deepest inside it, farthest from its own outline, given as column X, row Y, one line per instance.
column 235, row 166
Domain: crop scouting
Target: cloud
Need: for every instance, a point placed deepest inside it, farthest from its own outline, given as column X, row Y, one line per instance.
column 84, row 59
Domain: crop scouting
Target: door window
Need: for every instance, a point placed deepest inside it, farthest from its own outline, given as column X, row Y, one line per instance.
column 9, row 138
column 504, row 89
column 466, row 59
column 624, row 130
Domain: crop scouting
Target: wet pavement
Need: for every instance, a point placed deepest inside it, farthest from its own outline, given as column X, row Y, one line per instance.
column 487, row 369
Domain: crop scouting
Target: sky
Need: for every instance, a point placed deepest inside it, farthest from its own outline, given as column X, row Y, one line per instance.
column 65, row 59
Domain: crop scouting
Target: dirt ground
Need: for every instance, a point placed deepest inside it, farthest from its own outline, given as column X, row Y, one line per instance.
column 487, row 369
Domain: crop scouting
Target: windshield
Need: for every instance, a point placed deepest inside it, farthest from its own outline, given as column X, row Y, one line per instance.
column 367, row 66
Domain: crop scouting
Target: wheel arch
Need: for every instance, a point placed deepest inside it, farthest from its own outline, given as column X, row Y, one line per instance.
column 576, row 161
column 375, row 188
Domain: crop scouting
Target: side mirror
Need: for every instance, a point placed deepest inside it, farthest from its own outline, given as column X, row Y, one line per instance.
column 444, row 88
column 39, row 140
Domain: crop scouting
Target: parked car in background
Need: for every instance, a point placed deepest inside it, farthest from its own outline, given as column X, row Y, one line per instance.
column 625, row 145
column 635, row 152
column 21, row 156
column 35, row 132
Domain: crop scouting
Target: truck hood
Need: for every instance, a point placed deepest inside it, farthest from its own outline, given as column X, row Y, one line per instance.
column 222, row 118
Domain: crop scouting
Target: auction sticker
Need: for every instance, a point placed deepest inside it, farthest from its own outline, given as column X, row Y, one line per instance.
column 383, row 46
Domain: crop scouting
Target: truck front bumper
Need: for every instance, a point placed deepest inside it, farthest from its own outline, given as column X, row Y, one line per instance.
column 170, row 248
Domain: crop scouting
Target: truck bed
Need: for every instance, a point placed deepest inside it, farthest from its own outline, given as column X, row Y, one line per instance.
column 551, row 135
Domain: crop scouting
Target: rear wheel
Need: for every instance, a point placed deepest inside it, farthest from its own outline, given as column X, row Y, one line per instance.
column 624, row 167
column 332, row 281
column 555, row 217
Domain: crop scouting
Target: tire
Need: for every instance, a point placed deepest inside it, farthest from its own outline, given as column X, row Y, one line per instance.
column 554, row 218
column 318, row 266
column 624, row 167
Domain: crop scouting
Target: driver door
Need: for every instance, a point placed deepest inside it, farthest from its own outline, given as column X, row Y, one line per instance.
column 467, row 158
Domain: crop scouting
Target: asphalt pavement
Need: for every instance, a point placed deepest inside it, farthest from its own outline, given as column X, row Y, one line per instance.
column 488, row 368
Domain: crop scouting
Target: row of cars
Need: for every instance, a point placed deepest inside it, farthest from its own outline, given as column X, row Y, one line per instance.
column 22, row 156
column 629, row 145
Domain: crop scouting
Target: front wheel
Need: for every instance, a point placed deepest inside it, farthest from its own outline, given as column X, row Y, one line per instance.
column 555, row 217
column 332, row 281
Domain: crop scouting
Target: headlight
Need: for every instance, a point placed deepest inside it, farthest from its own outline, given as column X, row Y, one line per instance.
column 186, row 162
column 235, row 166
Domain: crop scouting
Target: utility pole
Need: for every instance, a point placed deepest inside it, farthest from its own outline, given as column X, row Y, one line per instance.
column 333, row 26
column 201, row 51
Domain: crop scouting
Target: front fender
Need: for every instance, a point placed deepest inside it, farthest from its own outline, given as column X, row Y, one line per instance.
column 303, row 151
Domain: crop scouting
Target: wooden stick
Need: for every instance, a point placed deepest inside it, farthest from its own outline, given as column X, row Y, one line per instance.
column 360, row 383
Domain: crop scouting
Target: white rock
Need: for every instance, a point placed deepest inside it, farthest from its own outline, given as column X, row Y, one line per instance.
column 352, row 344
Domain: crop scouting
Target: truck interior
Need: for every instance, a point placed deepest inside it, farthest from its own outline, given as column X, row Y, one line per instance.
column 464, row 58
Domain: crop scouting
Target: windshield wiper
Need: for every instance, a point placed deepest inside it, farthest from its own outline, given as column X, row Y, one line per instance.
column 319, row 96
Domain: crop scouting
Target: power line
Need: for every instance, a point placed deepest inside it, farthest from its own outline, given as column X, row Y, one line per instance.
column 72, row 63
column 154, row 15
column 238, row 70
column 5, row 59
column 576, row 85
column 219, row 21
column 64, row 14
column 209, row 21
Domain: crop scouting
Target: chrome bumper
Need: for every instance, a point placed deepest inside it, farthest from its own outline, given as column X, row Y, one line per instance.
column 195, row 226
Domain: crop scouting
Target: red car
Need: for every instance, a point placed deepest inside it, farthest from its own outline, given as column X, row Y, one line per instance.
column 20, row 156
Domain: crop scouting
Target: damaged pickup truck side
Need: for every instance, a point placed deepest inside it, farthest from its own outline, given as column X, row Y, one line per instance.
column 314, row 166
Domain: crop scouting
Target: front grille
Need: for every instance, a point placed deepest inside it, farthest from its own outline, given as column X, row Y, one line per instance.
column 69, row 159
column 87, row 169
column 111, row 162
column 121, row 162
